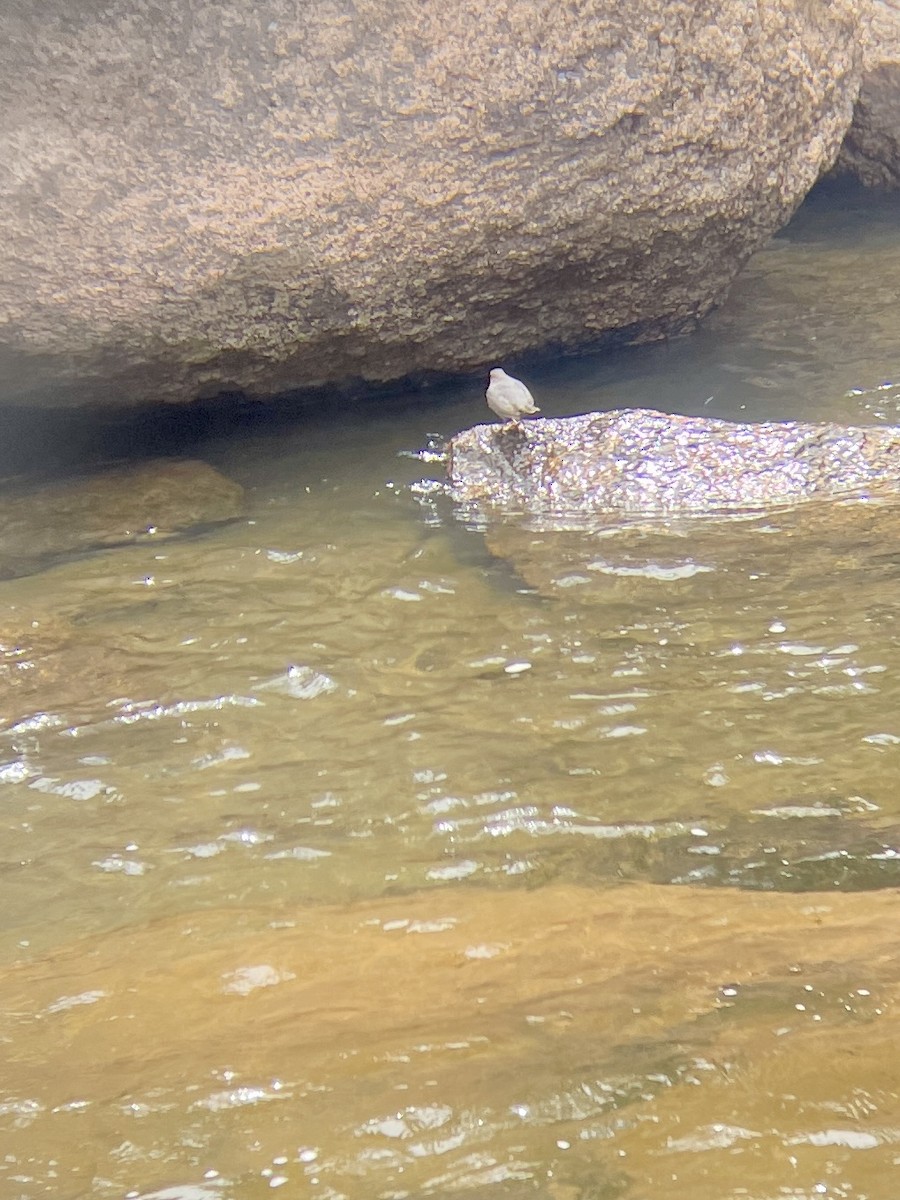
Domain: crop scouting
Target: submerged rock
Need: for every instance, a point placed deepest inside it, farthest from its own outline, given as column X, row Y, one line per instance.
column 608, row 1002
column 210, row 197
column 702, row 562
column 113, row 508
column 640, row 462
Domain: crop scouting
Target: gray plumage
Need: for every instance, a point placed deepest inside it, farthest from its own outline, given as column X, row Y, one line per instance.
column 509, row 398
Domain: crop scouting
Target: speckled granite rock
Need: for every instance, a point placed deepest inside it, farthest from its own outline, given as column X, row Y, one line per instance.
column 871, row 150
column 639, row 462
column 224, row 195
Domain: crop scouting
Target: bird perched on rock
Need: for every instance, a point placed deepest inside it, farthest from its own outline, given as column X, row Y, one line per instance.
column 509, row 398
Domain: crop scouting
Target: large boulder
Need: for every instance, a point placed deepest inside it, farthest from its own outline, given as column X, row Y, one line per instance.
column 871, row 150
column 218, row 195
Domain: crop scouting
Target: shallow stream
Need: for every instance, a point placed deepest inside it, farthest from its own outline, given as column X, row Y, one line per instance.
column 345, row 854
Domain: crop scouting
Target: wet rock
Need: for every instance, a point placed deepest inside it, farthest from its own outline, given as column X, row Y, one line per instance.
column 227, row 196
column 638, row 462
column 871, row 150
column 113, row 508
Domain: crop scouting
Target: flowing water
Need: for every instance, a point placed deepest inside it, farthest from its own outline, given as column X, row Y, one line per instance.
column 350, row 849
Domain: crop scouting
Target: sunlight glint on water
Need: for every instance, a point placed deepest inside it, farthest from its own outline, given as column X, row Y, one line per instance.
column 353, row 851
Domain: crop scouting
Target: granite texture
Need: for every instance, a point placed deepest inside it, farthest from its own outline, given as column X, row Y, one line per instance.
column 639, row 462
column 201, row 197
column 871, row 150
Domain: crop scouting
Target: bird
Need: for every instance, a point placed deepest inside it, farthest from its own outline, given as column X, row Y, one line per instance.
column 509, row 398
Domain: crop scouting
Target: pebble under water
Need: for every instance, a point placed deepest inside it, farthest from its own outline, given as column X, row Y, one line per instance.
column 353, row 847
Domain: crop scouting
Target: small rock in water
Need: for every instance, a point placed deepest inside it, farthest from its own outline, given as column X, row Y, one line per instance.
column 640, row 462
column 112, row 508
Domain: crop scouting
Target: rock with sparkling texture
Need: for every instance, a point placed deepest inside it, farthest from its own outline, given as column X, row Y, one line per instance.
column 508, row 397
column 640, row 462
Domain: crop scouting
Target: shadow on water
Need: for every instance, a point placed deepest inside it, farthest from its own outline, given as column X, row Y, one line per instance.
column 700, row 373
column 37, row 443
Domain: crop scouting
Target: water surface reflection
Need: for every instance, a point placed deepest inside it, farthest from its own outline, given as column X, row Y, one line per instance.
column 351, row 849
